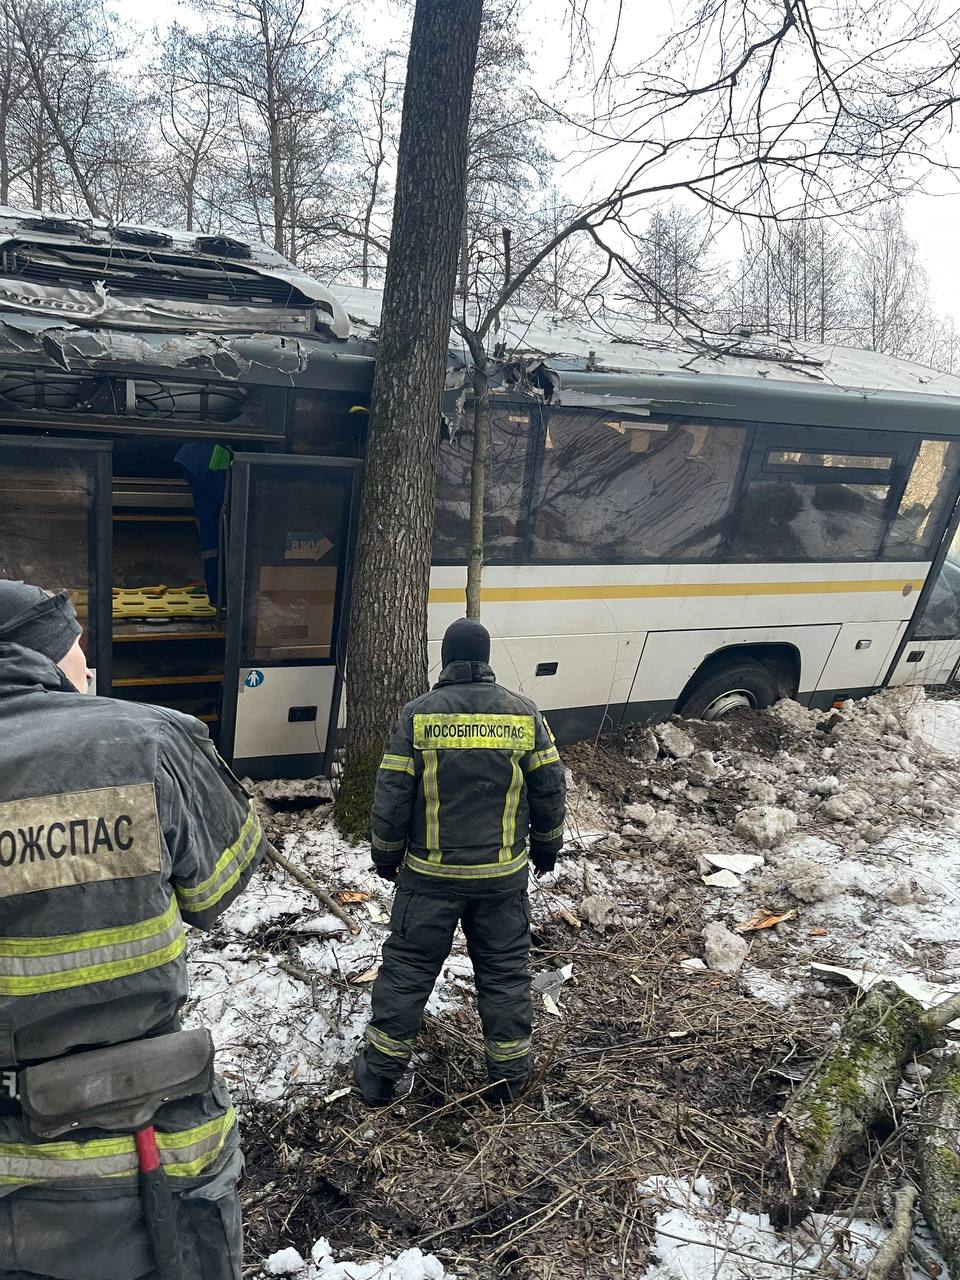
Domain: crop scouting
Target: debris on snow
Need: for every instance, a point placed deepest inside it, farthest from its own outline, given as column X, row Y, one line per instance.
column 723, row 951
column 721, row 880
column 766, row 826
column 598, row 910
column 674, row 741
column 929, row 994
column 738, row 863
column 764, row 920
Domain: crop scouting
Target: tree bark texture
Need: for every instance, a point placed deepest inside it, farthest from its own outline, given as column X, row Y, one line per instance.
column 387, row 663
column 938, row 1155
column 478, row 480
column 845, row 1094
column 893, row 1250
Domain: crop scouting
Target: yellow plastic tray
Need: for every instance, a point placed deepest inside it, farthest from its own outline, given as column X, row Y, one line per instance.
column 156, row 604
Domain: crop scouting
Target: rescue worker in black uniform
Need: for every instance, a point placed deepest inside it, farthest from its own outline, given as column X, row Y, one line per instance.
column 118, row 822
column 470, row 772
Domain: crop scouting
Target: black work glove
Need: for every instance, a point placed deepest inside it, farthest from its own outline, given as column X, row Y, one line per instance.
column 543, row 863
column 387, row 870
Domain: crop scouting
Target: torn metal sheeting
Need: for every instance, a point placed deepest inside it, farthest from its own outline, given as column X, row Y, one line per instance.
column 548, row 984
column 116, row 272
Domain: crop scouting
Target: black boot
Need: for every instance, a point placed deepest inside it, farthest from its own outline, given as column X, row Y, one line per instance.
column 503, row 1092
column 376, row 1091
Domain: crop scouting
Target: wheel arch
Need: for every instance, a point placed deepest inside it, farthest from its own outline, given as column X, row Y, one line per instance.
column 782, row 659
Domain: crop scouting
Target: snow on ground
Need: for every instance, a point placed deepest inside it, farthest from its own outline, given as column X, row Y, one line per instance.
column 273, row 1030
column 695, row 1238
column 411, row 1264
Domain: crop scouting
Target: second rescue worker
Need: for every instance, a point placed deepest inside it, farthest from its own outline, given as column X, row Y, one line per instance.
column 470, row 772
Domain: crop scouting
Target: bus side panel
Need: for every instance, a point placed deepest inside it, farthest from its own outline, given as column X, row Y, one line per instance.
column 562, row 670
column 926, row 662
column 670, row 658
column 861, row 656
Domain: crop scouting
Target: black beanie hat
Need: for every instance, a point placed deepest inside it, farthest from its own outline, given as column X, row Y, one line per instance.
column 465, row 641
column 29, row 617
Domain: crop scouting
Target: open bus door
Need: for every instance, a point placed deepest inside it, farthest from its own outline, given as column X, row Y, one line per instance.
column 290, row 531
column 56, row 513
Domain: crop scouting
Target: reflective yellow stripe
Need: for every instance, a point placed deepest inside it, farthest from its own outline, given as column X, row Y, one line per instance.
column 481, row 871
column 386, row 1044
column 387, row 846
column 506, row 1050
column 548, row 729
column 509, row 824
column 678, row 590
column 398, row 764
column 431, row 798
column 201, row 897
column 452, row 729
column 547, row 835
column 64, row 943
column 549, row 755
column 183, row 1154
column 63, row 980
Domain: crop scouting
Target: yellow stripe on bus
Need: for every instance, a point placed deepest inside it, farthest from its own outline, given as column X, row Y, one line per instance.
column 671, row 590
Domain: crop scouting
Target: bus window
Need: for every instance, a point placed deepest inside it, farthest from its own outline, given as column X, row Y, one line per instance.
column 917, row 527
column 807, row 505
column 504, row 502
column 619, row 491
column 940, row 619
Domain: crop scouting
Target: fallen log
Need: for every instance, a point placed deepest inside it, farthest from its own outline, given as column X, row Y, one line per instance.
column 938, row 1157
column 847, row 1092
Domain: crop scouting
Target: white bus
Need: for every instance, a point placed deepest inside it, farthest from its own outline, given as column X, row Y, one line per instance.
column 684, row 531
column 672, row 524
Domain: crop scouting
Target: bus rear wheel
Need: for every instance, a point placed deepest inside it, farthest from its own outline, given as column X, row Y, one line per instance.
column 745, row 684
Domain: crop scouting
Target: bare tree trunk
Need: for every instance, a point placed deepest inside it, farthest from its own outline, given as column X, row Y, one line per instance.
column 478, row 476
column 387, row 662
column 273, row 127
column 939, row 1157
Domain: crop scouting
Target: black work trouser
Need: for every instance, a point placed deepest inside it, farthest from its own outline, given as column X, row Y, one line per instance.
column 422, row 925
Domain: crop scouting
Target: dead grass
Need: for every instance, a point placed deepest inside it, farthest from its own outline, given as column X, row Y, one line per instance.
column 651, row 1070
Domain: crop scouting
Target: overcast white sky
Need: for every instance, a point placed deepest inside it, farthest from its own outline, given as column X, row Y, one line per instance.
column 933, row 217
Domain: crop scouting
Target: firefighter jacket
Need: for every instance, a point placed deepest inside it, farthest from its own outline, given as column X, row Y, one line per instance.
column 118, row 823
column 470, row 772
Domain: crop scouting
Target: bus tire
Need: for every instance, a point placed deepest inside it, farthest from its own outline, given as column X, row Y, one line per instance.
column 744, row 683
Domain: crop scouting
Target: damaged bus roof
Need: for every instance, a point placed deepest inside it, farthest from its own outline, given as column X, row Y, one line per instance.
column 138, row 277
column 628, row 366
column 80, row 294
